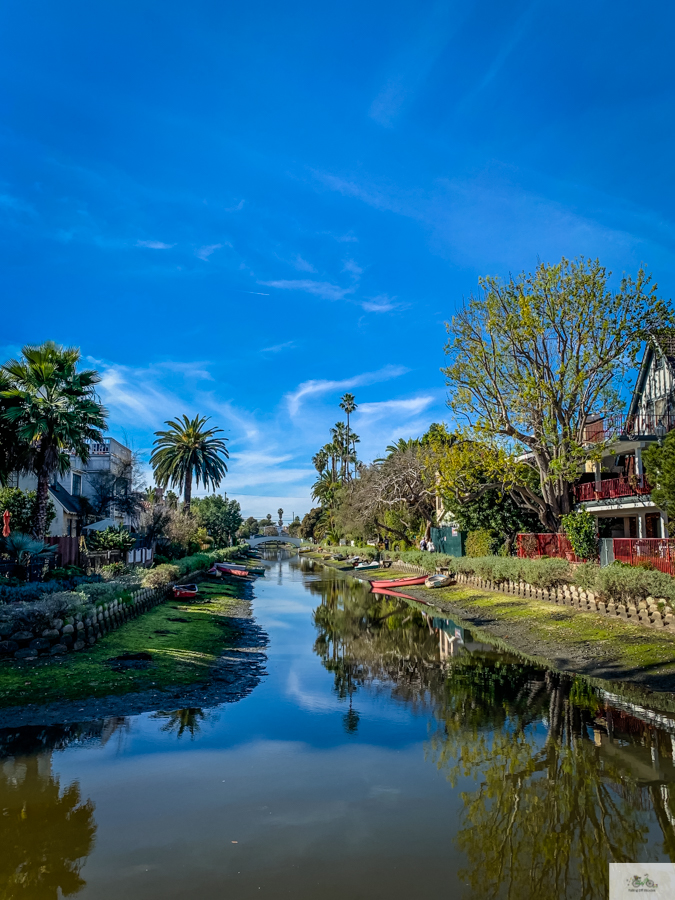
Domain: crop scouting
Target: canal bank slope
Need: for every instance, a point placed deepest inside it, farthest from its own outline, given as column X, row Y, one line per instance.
column 581, row 643
column 188, row 654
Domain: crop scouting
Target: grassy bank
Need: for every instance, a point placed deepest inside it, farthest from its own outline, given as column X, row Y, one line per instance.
column 185, row 640
column 570, row 640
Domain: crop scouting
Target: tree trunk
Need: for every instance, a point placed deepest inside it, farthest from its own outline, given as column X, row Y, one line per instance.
column 187, row 493
column 347, row 459
column 42, row 497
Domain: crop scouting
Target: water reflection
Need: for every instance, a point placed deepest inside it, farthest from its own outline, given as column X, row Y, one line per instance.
column 180, row 721
column 46, row 832
column 565, row 780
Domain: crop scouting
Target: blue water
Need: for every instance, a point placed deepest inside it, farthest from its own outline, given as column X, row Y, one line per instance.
column 408, row 770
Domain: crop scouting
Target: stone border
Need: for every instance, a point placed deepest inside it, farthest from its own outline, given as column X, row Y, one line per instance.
column 77, row 632
column 651, row 612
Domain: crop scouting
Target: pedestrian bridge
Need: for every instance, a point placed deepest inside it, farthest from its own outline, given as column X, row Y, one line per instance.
column 281, row 537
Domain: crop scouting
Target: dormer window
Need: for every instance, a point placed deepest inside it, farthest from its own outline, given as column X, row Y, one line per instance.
column 77, row 486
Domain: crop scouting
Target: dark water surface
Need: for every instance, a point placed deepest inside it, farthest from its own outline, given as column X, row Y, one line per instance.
column 387, row 754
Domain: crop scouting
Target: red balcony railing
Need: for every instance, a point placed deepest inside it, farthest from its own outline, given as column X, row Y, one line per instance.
column 618, row 425
column 534, row 546
column 659, row 552
column 612, row 488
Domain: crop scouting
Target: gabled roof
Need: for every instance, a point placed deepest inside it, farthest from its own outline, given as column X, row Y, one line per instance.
column 68, row 502
column 666, row 345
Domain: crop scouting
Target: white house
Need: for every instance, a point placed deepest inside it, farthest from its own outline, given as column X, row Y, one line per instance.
column 83, row 482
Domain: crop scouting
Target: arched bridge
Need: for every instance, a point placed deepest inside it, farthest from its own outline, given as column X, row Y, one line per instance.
column 281, row 537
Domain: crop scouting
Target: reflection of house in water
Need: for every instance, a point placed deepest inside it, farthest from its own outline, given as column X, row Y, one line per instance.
column 454, row 639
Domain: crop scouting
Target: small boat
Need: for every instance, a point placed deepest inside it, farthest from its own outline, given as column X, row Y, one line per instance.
column 385, row 592
column 440, row 580
column 398, row 582
column 185, row 590
column 222, row 569
column 256, row 570
column 366, row 565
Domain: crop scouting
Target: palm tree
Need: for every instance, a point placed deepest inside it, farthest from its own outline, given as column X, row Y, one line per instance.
column 339, row 436
column 55, row 413
column 320, row 460
column 348, row 404
column 187, row 450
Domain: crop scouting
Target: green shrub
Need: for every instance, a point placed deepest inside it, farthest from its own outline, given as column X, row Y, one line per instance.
column 161, row 576
column 624, row 584
column 586, row 576
column 479, row 543
column 582, row 531
column 113, row 570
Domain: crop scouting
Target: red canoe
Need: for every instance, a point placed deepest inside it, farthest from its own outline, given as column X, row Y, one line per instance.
column 398, row 582
column 219, row 568
column 185, row 590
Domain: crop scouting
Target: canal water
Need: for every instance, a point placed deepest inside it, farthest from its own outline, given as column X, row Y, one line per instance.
column 388, row 754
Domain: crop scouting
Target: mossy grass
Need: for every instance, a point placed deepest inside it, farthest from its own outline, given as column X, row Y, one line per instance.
column 631, row 646
column 181, row 656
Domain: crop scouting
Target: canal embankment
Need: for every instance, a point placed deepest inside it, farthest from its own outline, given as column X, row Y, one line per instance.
column 568, row 639
column 180, row 653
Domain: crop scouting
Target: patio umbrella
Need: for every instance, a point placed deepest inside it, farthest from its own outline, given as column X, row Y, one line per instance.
column 6, row 516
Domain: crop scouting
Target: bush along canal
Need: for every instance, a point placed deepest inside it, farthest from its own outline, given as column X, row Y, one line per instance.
column 392, row 751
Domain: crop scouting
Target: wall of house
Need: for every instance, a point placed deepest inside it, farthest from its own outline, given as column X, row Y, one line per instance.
column 659, row 389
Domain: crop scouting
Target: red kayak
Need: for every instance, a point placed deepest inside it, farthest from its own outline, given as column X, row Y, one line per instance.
column 220, row 569
column 185, row 590
column 398, row 582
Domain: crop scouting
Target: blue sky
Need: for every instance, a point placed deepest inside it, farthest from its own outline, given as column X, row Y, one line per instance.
column 244, row 210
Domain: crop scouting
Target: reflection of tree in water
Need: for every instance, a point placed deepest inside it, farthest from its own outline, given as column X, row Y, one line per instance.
column 566, row 783
column 45, row 832
column 182, row 720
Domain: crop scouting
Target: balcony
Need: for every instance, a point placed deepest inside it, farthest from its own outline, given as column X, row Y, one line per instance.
column 628, row 427
column 612, row 489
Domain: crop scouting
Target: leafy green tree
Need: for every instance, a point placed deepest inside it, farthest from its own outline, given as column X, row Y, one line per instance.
column 534, row 359
column 659, row 463
column 186, row 451
column 221, row 517
column 310, row 522
column 22, row 506
column 55, row 412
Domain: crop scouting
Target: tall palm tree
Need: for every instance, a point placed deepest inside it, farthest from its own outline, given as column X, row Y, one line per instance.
column 339, row 433
column 55, row 412
column 186, row 450
column 320, row 460
column 348, row 404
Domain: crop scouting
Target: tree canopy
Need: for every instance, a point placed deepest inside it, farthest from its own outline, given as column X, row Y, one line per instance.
column 535, row 358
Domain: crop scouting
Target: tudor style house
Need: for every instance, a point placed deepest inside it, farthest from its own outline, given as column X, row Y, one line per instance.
column 86, row 492
column 616, row 490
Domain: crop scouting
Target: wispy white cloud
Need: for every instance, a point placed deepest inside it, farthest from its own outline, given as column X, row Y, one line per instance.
column 380, row 304
column 350, row 266
column 347, row 238
column 394, row 408
column 8, row 201
column 323, row 289
column 316, row 387
column 277, row 348
column 205, row 252
column 302, row 265
column 155, row 245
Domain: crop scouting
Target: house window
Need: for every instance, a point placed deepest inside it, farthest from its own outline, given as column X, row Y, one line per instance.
column 77, row 485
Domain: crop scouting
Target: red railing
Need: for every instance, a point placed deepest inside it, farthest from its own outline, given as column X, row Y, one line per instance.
column 659, row 552
column 619, row 425
column 612, row 488
column 534, row 546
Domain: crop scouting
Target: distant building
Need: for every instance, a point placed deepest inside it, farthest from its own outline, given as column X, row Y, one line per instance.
column 80, row 495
